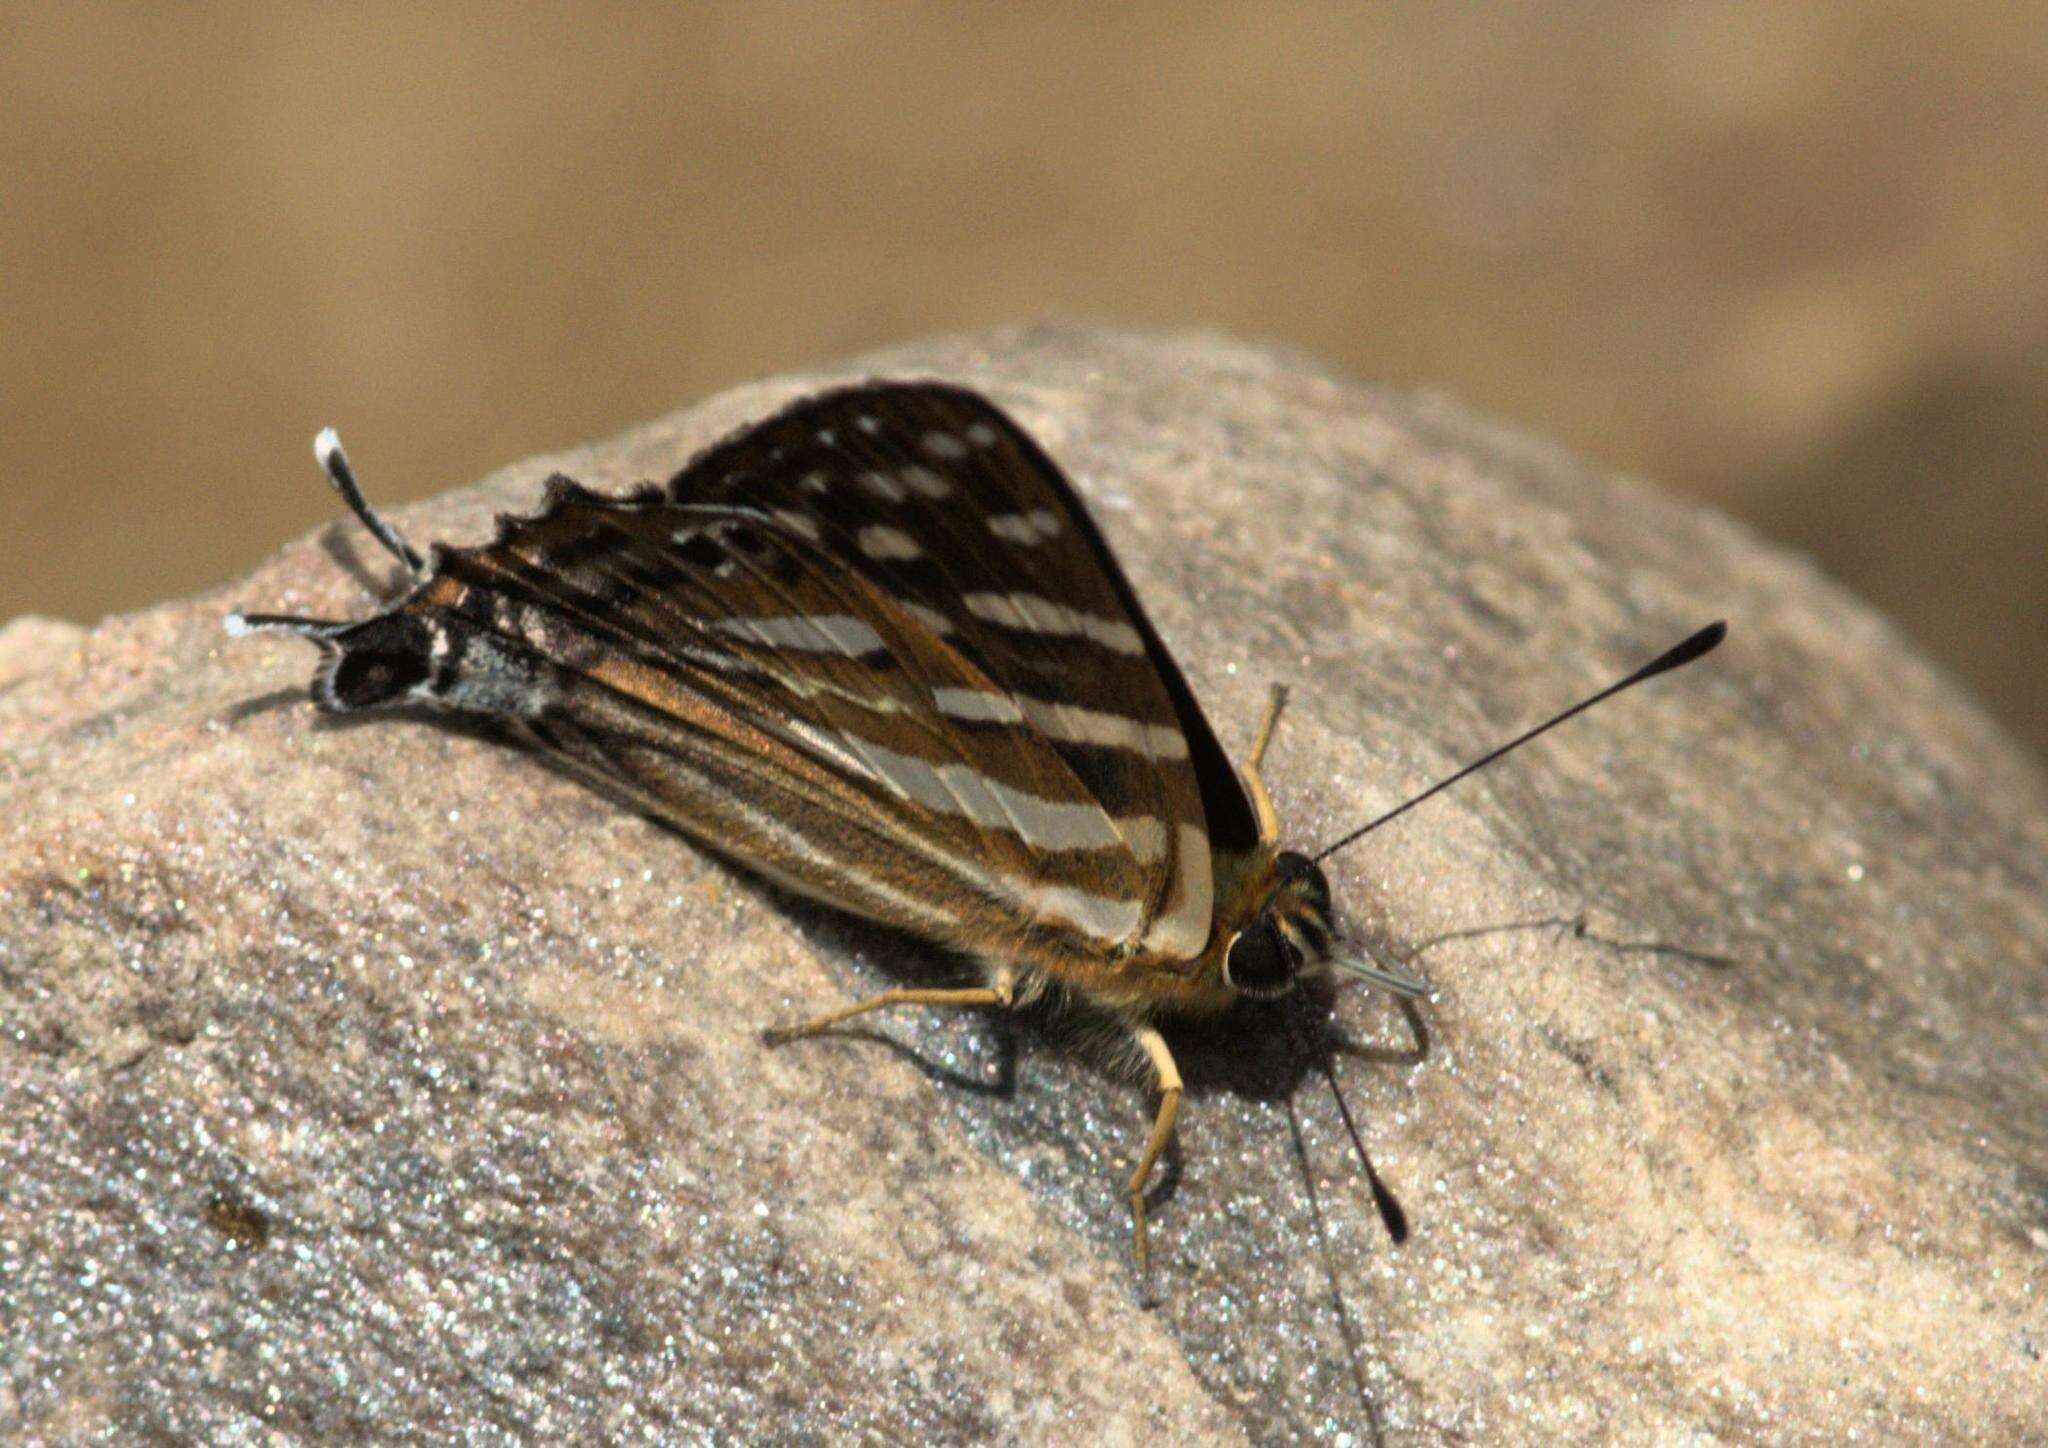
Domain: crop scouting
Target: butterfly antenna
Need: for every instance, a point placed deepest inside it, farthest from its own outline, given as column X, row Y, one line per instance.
column 1308, row 1031
column 1698, row 645
column 334, row 463
column 239, row 625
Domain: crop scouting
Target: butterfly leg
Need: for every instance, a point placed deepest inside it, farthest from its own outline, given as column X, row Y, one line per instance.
column 1154, row 1046
column 1000, row 993
column 1254, row 783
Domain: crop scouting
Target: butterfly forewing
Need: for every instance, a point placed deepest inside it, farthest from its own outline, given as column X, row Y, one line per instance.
column 957, row 513
column 875, row 648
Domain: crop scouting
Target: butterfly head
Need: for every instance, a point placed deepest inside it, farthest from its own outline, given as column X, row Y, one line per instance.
column 1291, row 937
column 1290, row 934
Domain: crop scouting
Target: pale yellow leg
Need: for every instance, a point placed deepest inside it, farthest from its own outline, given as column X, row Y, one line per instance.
column 1255, row 785
column 1162, row 1129
column 998, row 994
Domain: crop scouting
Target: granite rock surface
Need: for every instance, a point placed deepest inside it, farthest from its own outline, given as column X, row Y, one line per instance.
column 370, row 1078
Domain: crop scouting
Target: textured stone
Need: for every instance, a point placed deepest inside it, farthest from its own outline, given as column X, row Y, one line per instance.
column 371, row 1076
column 29, row 645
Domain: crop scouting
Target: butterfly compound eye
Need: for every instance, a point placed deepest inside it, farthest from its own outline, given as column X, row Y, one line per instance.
column 1259, row 963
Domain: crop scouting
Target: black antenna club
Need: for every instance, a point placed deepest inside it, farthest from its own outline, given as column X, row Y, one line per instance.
column 1698, row 645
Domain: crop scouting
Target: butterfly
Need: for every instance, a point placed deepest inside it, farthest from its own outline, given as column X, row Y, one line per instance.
column 875, row 650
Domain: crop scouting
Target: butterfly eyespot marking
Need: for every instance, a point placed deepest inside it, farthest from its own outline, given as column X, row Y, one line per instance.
column 364, row 679
column 380, row 661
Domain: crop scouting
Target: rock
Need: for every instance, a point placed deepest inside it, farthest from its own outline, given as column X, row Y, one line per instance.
column 29, row 645
column 372, row 1078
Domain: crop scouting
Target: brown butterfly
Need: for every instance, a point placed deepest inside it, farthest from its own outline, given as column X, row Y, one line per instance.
column 875, row 650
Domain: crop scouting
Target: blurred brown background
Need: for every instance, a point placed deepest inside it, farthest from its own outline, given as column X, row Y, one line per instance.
column 1790, row 259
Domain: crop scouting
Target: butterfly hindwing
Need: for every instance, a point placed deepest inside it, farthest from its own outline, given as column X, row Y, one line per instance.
column 719, row 665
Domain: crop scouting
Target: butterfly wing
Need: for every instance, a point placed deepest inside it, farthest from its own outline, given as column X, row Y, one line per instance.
column 953, row 509
column 874, row 648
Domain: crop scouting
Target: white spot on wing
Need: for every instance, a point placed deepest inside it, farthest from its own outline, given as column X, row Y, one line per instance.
column 944, row 445
column 832, row 745
column 883, row 486
column 925, row 481
column 1181, row 929
column 1063, row 723
column 1033, row 613
column 930, row 617
column 956, row 789
column 796, row 522
column 1107, row 919
column 1026, row 530
column 1073, row 724
column 888, row 544
column 1145, row 834
column 822, row 633
column 977, row 704
column 981, row 434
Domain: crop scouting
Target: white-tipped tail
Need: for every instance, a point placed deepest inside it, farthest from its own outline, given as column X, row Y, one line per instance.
column 326, row 445
column 236, row 626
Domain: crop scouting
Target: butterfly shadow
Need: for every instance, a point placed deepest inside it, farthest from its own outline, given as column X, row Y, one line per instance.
column 342, row 542
column 1257, row 1051
column 265, row 703
column 1262, row 1050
